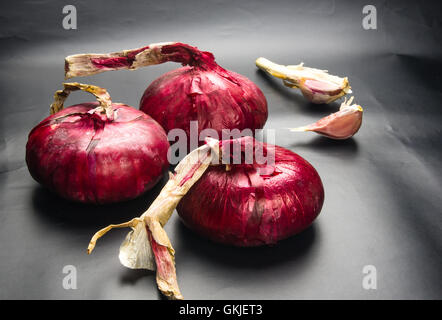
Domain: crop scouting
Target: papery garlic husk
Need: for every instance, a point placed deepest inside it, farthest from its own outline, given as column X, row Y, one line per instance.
column 339, row 125
column 316, row 85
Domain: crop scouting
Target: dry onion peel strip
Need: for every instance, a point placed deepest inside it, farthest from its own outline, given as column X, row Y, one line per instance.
column 148, row 241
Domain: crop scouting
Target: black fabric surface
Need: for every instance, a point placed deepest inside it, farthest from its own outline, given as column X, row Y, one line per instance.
column 382, row 187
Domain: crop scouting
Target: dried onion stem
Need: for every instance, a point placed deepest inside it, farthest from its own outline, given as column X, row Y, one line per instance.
column 147, row 246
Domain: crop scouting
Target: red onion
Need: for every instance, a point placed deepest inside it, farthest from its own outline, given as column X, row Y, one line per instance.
column 245, row 207
column 96, row 152
column 202, row 91
column 244, row 204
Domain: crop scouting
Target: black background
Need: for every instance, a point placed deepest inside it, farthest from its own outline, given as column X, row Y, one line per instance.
column 383, row 187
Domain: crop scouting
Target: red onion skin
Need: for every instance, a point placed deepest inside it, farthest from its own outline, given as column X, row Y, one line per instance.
column 87, row 158
column 239, row 207
column 215, row 100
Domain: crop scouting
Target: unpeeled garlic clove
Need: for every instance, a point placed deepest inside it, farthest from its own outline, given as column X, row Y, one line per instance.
column 316, row 85
column 339, row 125
column 320, row 91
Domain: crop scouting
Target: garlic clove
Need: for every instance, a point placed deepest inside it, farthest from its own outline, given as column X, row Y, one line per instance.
column 316, row 85
column 339, row 125
column 320, row 91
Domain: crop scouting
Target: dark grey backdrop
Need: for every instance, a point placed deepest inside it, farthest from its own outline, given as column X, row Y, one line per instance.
column 383, row 187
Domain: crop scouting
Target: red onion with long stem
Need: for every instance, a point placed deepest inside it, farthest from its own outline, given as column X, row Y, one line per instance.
column 201, row 91
column 244, row 203
column 96, row 152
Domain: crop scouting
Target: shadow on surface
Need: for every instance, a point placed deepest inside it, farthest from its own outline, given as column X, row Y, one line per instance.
column 131, row 276
column 62, row 212
column 340, row 148
column 293, row 248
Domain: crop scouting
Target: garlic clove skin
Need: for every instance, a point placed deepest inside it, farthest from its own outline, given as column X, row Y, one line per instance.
column 317, row 86
column 339, row 125
column 321, row 91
